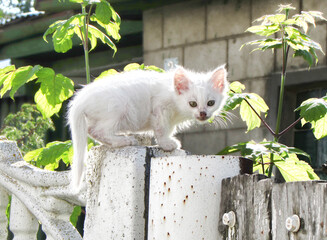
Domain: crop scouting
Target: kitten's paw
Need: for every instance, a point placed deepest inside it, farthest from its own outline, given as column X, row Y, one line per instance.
column 169, row 144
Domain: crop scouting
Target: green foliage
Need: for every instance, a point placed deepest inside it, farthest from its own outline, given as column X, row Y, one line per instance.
column 136, row 66
column 314, row 111
column 11, row 79
column 280, row 31
column 284, row 158
column 53, row 91
column 105, row 16
column 246, row 101
column 292, row 32
column 129, row 67
column 49, row 156
column 74, row 217
column 8, row 209
column 27, row 127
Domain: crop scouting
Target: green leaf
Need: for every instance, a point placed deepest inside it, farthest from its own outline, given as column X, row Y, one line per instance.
column 284, row 7
column 154, row 68
column 6, row 70
column 320, row 128
column 313, row 109
column 305, row 55
column 49, row 156
column 233, row 101
column 44, row 107
column 263, row 30
column 63, row 32
column 132, row 66
column 75, row 214
column 317, row 14
column 22, row 76
column 293, row 169
column 102, row 36
column 106, row 74
column 53, row 91
column 112, row 30
column 247, row 114
column 236, row 87
column 52, row 28
column 103, row 12
column 13, row 79
column 6, row 81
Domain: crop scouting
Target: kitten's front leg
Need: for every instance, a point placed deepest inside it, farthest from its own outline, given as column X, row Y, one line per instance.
column 163, row 130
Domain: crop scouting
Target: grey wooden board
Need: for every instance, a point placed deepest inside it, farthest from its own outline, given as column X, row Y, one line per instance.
column 249, row 197
column 262, row 206
column 306, row 199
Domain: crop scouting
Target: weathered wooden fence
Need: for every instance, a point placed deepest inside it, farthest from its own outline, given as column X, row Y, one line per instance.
column 265, row 209
column 144, row 193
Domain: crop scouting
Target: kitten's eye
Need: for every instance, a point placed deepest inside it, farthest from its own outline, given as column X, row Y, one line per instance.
column 193, row 104
column 211, row 103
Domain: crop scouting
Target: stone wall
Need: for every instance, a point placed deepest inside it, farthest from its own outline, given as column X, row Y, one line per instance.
column 205, row 34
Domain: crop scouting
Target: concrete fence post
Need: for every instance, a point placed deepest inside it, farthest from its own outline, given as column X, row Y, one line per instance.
column 145, row 193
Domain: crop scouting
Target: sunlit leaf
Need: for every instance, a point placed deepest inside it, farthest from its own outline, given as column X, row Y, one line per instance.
column 132, row 66
column 103, row 12
column 102, row 36
column 313, row 109
column 248, row 115
column 50, row 155
column 283, row 7
column 75, row 214
column 6, row 70
column 106, row 74
column 320, row 127
column 154, row 68
column 294, row 169
column 53, row 91
column 22, row 76
column 236, row 87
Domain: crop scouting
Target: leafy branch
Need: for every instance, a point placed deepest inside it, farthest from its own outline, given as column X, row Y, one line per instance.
column 288, row 33
column 104, row 16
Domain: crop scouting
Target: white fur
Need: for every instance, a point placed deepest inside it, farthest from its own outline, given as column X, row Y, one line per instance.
column 140, row 101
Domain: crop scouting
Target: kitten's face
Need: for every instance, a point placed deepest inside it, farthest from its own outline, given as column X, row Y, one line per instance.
column 199, row 96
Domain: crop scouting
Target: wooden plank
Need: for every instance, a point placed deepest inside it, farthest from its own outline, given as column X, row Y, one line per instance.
column 37, row 45
column 248, row 196
column 305, row 199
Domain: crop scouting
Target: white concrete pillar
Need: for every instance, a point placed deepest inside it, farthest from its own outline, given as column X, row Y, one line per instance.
column 185, row 196
column 115, row 195
column 4, row 200
column 23, row 224
column 144, row 193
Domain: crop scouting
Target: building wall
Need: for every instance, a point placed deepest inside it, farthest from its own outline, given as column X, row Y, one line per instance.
column 205, row 34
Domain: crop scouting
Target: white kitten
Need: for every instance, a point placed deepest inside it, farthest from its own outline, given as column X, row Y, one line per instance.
column 142, row 101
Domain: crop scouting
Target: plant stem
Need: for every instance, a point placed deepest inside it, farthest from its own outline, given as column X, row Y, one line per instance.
column 281, row 94
column 86, row 47
column 261, row 119
column 289, row 127
column 262, row 165
column 258, row 115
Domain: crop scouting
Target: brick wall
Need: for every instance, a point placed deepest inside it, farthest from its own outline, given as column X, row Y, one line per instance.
column 205, row 34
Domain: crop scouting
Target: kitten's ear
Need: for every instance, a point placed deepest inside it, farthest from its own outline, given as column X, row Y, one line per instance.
column 181, row 82
column 219, row 79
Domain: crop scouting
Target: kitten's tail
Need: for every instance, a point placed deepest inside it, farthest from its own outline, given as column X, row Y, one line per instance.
column 78, row 126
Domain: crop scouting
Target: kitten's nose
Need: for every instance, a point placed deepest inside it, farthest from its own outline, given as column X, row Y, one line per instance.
column 203, row 114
